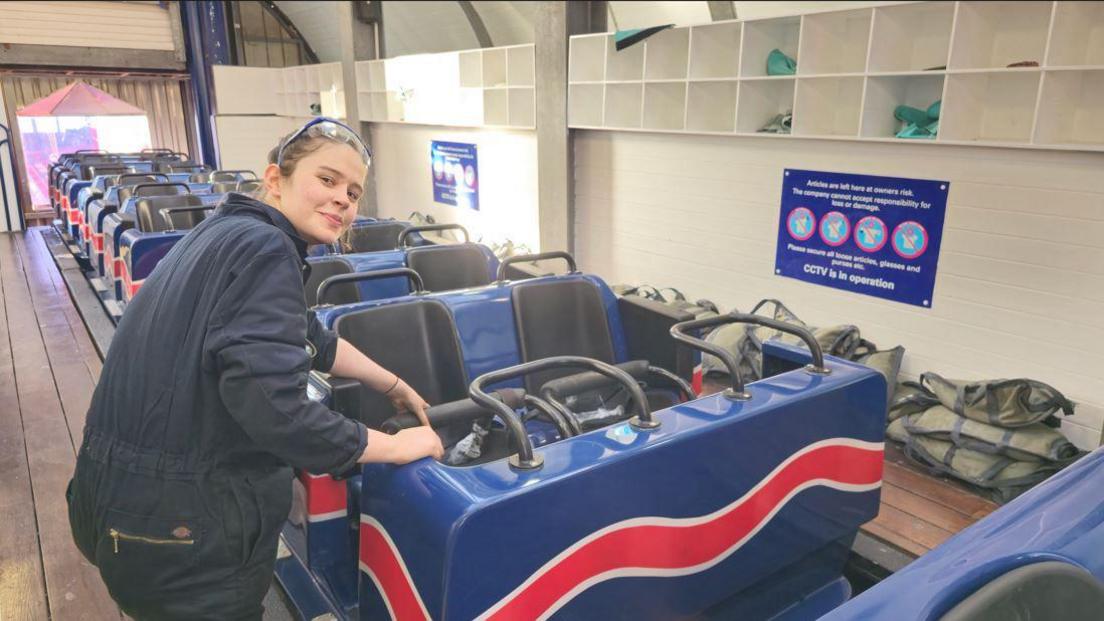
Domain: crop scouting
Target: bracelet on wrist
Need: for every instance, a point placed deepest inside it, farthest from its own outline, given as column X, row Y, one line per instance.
column 388, row 391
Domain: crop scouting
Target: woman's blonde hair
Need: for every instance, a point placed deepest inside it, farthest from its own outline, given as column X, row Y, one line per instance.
column 293, row 153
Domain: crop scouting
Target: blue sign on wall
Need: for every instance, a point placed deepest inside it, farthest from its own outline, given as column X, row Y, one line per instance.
column 455, row 171
column 878, row 236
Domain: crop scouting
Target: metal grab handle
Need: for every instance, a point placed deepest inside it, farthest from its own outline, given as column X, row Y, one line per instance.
column 431, row 227
column 564, row 423
column 737, row 392
column 415, row 280
column 137, row 188
column 236, row 173
column 166, row 213
column 533, row 258
column 141, row 176
column 525, row 459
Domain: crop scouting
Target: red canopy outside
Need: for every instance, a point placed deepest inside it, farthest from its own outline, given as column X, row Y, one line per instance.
column 79, row 99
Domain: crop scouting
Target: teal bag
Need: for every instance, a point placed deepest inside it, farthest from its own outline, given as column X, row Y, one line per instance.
column 780, row 64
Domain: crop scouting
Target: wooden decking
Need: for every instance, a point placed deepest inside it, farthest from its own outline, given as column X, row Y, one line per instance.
column 48, row 369
column 920, row 511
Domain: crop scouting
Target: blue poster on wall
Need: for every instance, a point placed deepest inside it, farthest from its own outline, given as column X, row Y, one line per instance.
column 877, row 236
column 455, row 172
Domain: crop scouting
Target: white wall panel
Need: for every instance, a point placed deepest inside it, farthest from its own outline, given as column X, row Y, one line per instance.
column 1020, row 289
column 507, row 179
column 86, row 24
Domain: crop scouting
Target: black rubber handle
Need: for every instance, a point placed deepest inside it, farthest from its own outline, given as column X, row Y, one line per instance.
column 138, row 187
column 532, row 258
column 679, row 332
column 590, row 380
column 415, row 279
column 428, row 228
column 166, row 212
column 525, row 458
column 461, row 411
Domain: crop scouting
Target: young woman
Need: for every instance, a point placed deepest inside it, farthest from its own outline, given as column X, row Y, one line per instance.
column 183, row 480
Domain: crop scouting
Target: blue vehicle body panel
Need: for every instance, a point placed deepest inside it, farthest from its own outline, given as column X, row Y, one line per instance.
column 611, row 510
column 1061, row 520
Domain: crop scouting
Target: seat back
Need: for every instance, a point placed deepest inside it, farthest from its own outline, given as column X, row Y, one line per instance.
column 560, row 317
column 453, row 266
column 376, row 236
column 127, row 183
column 322, row 269
column 148, row 212
column 417, row 341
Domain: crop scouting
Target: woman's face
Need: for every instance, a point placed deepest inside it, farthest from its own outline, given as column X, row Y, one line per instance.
column 320, row 197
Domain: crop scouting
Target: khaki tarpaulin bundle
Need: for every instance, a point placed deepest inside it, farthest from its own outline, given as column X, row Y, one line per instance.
column 745, row 341
column 1006, row 402
column 673, row 297
column 998, row 435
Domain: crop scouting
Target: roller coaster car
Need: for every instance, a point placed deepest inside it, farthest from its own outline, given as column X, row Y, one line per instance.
column 735, row 505
column 441, row 267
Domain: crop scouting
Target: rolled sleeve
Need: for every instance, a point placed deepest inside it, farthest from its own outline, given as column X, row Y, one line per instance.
column 257, row 345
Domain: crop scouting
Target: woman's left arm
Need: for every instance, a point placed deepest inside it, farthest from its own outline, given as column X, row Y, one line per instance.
column 350, row 362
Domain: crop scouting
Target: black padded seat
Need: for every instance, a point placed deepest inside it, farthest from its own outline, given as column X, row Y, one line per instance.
column 148, row 212
column 127, row 190
column 1044, row 590
column 417, row 341
column 560, row 318
column 247, row 186
column 344, row 293
column 376, row 237
column 448, row 267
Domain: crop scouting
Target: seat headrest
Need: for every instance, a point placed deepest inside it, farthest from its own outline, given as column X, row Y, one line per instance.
column 148, row 212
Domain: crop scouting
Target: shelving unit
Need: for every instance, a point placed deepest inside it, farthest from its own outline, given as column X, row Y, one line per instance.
column 854, row 67
column 1070, row 108
column 483, row 87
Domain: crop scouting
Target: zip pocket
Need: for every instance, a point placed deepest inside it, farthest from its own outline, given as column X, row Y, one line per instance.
column 117, row 535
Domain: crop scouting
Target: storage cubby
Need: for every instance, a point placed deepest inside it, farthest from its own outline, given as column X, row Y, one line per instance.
column 1070, row 108
column 624, row 65
column 1078, row 38
column 471, row 69
column 911, row 37
column 494, row 68
column 666, row 54
column 622, row 105
column 989, row 107
column 521, row 107
column 992, row 35
column 587, row 58
column 519, row 65
column 584, row 105
column 496, row 107
column 715, row 50
column 711, row 106
column 884, row 94
column 762, row 36
column 761, row 101
column 664, row 105
column 834, row 42
column 828, row 107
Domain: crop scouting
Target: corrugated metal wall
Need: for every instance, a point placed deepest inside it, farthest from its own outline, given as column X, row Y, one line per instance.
column 123, row 25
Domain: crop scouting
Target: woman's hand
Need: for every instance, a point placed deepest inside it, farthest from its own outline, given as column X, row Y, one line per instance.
column 402, row 448
column 406, row 399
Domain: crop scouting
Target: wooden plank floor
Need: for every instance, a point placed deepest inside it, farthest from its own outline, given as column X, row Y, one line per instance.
column 48, row 369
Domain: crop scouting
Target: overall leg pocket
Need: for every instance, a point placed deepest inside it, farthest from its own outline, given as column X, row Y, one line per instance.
column 149, row 559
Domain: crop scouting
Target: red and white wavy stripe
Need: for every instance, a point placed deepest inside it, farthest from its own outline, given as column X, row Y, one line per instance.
column 646, row 546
